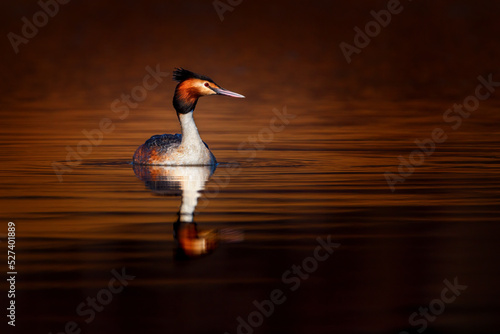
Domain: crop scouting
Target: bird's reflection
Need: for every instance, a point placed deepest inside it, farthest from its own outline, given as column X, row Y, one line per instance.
column 187, row 182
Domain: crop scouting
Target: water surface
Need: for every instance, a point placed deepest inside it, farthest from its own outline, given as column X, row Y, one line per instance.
column 262, row 211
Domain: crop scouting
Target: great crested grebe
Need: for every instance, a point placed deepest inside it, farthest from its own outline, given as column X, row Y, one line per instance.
column 186, row 148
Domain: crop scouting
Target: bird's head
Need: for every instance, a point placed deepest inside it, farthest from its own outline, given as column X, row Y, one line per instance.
column 192, row 86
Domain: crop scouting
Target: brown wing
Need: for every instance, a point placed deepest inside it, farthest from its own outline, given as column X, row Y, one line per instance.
column 154, row 150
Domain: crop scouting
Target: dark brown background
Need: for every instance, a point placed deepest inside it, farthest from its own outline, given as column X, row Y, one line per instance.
column 90, row 52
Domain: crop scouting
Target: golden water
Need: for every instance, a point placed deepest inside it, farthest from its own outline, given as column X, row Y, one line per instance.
column 320, row 175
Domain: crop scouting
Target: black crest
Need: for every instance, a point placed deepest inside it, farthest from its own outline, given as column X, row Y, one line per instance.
column 181, row 74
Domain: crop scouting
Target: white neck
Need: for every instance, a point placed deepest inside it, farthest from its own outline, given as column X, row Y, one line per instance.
column 192, row 150
column 190, row 134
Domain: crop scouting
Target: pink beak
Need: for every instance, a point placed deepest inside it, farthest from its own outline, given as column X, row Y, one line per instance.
column 222, row 91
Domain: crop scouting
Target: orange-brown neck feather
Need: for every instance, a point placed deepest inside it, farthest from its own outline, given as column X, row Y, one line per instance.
column 185, row 97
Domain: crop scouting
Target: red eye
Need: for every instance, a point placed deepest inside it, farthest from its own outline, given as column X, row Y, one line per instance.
column 206, row 84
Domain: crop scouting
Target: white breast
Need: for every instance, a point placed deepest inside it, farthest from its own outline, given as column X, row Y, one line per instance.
column 192, row 150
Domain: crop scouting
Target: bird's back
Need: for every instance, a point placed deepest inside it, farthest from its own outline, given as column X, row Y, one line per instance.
column 156, row 148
